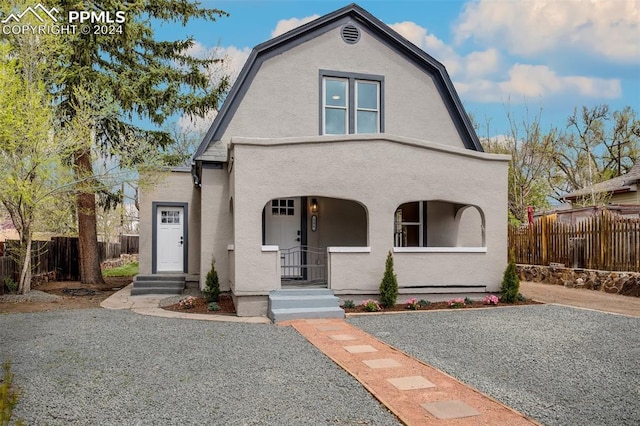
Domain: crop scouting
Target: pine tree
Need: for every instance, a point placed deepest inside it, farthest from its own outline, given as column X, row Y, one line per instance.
column 389, row 284
column 510, row 283
column 212, row 290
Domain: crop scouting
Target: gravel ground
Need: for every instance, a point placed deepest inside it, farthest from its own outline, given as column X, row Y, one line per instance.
column 558, row 365
column 32, row 296
column 98, row 366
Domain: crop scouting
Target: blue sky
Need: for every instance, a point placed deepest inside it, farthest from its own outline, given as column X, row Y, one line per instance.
column 552, row 55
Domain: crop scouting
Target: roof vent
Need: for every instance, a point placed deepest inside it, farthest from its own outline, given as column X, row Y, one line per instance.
column 350, row 34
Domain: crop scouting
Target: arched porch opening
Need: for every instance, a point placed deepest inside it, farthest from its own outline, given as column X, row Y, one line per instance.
column 301, row 228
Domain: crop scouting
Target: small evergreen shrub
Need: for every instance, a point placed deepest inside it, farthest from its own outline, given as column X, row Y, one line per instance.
column 521, row 297
column 510, row 284
column 211, row 292
column 468, row 301
column 213, row 306
column 348, row 304
column 423, row 303
column 389, row 284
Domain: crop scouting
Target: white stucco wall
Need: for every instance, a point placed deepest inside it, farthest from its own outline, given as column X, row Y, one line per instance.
column 381, row 172
column 283, row 99
column 216, row 225
column 175, row 186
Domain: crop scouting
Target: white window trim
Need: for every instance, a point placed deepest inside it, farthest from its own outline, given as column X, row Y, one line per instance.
column 345, row 108
column 439, row 249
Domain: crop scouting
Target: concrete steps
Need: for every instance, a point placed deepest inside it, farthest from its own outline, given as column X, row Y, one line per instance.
column 158, row 284
column 289, row 304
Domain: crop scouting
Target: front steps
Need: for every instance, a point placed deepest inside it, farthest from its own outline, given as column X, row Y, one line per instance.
column 158, row 284
column 289, row 304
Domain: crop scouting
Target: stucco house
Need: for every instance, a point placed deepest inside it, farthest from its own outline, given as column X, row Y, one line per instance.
column 340, row 141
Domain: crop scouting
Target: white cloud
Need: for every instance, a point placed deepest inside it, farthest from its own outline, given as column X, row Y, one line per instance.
column 285, row 25
column 538, row 81
column 605, row 28
column 475, row 64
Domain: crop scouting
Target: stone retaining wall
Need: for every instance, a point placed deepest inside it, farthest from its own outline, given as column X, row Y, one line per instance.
column 625, row 283
column 123, row 260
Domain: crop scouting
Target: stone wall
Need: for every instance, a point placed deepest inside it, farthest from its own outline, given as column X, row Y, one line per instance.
column 123, row 260
column 625, row 283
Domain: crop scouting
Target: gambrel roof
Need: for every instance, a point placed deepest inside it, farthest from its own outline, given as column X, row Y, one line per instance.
column 354, row 14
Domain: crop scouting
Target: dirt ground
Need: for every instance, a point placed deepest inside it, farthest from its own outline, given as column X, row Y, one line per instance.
column 549, row 293
column 72, row 295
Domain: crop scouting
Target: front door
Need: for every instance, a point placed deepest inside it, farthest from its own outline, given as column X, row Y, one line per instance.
column 170, row 239
column 282, row 229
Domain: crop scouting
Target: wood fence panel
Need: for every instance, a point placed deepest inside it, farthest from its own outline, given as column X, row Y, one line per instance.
column 606, row 242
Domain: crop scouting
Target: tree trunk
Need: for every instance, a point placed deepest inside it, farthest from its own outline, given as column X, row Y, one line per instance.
column 24, row 285
column 90, row 272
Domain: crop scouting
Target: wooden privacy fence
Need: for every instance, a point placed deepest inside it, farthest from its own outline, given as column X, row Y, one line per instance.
column 606, row 242
column 60, row 254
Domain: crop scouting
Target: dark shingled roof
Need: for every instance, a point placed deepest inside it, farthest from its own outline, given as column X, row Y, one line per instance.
column 618, row 184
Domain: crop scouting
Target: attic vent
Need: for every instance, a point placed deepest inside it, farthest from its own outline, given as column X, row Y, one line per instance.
column 350, row 34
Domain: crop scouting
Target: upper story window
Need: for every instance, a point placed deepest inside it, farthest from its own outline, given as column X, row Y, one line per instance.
column 351, row 103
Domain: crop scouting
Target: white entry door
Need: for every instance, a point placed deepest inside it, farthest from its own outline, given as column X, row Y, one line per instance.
column 282, row 229
column 170, row 239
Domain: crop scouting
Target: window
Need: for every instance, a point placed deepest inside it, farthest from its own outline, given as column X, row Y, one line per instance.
column 282, row 207
column 351, row 103
column 170, row 216
column 409, row 225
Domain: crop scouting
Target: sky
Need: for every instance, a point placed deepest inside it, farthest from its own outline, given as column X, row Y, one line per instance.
column 524, row 57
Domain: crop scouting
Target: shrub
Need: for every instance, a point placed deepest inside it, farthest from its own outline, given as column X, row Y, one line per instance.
column 423, row 303
column 468, row 301
column 389, row 284
column 510, row 284
column 11, row 284
column 9, row 396
column 348, row 304
column 211, row 292
column 412, row 303
column 371, row 305
column 213, row 306
column 521, row 297
column 456, row 303
column 188, row 302
column 490, row 300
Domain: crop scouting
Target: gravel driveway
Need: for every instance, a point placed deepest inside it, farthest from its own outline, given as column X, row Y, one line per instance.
column 106, row 367
column 559, row 365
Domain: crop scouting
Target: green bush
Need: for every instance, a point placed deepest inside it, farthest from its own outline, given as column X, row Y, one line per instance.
column 423, row 303
column 213, row 306
column 389, row 284
column 510, row 284
column 9, row 396
column 211, row 292
column 11, row 284
column 468, row 301
column 348, row 304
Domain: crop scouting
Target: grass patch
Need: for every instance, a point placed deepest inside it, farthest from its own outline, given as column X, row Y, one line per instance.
column 128, row 270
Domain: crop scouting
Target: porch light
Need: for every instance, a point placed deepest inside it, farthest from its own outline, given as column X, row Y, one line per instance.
column 314, row 205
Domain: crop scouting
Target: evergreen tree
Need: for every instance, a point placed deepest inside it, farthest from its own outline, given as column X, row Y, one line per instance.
column 510, row 283
column 389, row 284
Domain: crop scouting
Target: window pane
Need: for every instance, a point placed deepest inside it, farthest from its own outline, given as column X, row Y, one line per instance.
column 367, row 95
column 335, row 121
column 367, row 122
column 335, row 93
column 410, row 212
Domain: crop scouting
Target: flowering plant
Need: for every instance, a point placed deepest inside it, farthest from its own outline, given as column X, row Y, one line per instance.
column 188, row 302
column 412, row 303
column 456, row 303
column 490, row 300
column 371, row 305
